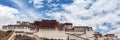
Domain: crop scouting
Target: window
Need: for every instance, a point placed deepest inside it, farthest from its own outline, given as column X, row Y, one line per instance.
column 4, row 27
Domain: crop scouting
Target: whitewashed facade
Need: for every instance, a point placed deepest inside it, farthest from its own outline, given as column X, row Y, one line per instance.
column 23, row 26
column 60, row 31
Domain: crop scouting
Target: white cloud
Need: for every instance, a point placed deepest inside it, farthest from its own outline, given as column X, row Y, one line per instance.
column 77, row 9
column 101, row 11
column 37, row 3
column 26, row 13
column 7, row 15
column 103, row 28
column 116, row 32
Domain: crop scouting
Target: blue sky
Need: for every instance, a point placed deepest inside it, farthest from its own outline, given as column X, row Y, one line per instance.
column 102, row 15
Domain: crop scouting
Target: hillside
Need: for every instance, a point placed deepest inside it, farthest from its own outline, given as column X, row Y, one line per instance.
column 4, row 35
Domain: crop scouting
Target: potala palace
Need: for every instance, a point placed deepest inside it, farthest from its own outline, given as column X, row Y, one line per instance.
column 51, row 29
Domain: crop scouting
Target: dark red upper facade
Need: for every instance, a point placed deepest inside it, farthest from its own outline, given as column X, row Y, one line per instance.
column 46, row 24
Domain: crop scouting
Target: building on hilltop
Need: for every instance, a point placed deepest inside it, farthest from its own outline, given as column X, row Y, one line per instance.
column 52, row 29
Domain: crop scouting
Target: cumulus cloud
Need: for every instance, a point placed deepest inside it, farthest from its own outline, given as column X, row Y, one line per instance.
column 7, row 15
column 116, row 32
column 37, row 3
column 27, row 13
column 101, row 13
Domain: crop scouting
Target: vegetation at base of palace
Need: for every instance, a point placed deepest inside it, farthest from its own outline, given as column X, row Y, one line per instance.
column 23, row 37
column 4, row 35
column 57, row 39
